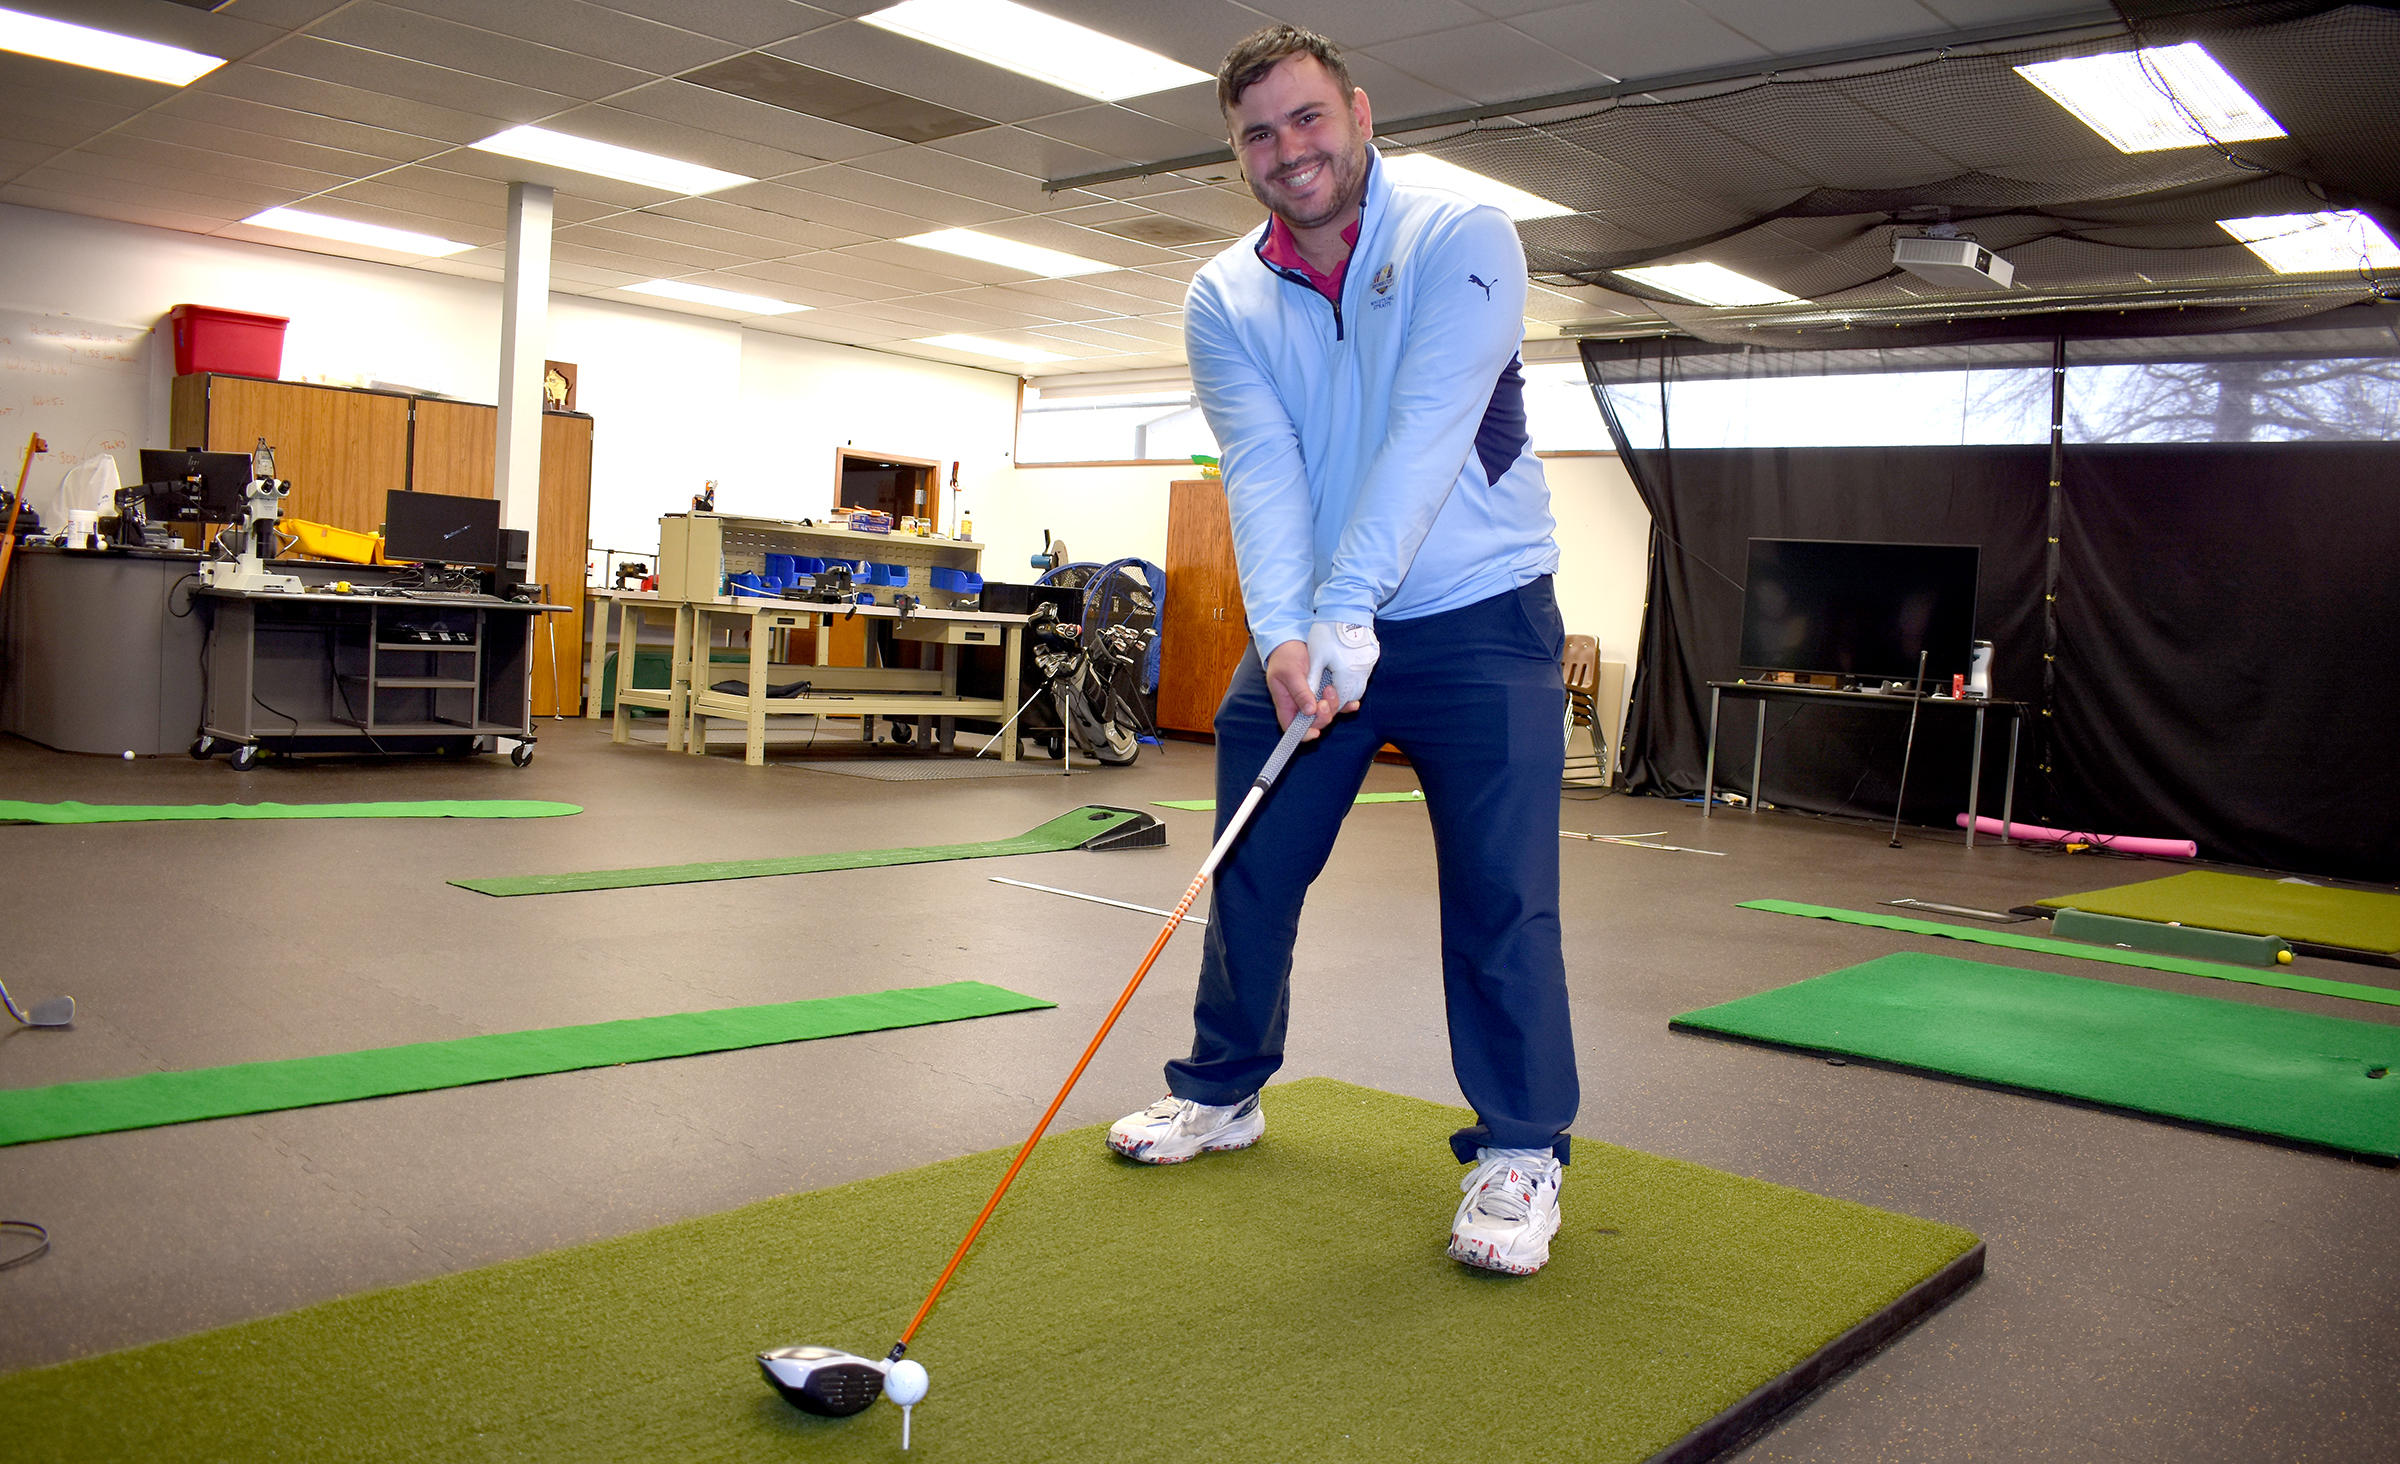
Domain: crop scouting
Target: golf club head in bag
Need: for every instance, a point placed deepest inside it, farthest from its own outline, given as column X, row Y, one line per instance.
column 822, row 1380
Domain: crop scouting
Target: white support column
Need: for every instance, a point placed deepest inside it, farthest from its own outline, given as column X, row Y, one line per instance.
column 524, row 343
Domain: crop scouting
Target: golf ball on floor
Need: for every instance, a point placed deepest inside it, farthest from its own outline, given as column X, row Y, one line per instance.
column 129, row 754
column 905, row 1383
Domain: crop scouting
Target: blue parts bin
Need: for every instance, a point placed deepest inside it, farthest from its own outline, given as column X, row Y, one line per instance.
column 957, row 581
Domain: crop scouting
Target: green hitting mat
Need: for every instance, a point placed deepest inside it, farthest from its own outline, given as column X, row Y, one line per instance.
column 147, row 1100
column 1290, row 1301
column 1092, row 826
column 14, row 811
column 2358, row 920
column 2182, row 965
column 2290, row 1075
column 1208, row 805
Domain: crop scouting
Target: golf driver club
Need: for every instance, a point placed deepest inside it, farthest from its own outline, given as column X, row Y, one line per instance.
column 836, row 1384
column 58, row 1011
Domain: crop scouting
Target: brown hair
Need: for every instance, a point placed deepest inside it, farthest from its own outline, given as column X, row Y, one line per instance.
column 1256, row 54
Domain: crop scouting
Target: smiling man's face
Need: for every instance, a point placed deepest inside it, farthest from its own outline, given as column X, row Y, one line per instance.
column 1303, row 147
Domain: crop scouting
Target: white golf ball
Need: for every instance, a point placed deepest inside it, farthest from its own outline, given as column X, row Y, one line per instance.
column 129, row 754
column 905, row 1383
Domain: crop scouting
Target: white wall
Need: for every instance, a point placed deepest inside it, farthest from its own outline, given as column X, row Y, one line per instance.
column 1603, row 551
column 1102, row 513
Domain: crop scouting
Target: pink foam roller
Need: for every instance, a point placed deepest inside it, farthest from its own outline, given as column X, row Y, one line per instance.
column 2127, row 843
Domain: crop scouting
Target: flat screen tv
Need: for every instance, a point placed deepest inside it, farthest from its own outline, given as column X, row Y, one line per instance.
column 441, row 528
column 1859, row 610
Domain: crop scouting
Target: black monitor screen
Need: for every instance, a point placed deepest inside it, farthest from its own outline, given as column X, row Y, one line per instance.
column 1863, row 610
column 440, row 528
column 168, row 495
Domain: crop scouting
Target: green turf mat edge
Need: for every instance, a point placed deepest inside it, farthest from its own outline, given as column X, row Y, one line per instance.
column 2326, row 915
column 2050, row 945
column 17, row 811
column 150, row 1100
column 1067, row 831
column 2226, row 1065
column 1208, row 805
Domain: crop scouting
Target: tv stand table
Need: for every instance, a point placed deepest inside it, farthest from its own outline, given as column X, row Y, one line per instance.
column 1763, row 692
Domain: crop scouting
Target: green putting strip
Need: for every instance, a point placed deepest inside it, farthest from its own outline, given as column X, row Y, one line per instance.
column 65, row 1110
column 14, row 811
column 2359, row 920
column 1207, row 805
column 1067, row 831
column 2291, row 1075
column 1110, row 1311
column 2281, row 980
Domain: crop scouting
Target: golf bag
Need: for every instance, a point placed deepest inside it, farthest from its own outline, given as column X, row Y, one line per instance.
column 1101, row 669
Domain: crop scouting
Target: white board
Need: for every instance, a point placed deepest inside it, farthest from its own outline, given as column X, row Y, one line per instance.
column 84, row 385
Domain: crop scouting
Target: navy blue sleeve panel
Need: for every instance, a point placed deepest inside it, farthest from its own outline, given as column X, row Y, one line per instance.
column 1502, row 438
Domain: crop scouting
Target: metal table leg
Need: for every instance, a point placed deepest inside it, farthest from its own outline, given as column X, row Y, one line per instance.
column 1758, row 751
column 1974, row 776
column 1708, row 783
column 2008, row 795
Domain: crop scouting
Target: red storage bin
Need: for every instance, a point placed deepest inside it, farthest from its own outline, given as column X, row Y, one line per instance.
column 234, row 342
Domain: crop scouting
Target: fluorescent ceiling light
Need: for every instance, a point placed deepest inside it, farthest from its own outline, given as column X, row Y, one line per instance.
column 80, row 45
column 1048, row 263
column 326, row 226
column 708, row 295
column 1029, row 43
column 2120, row 97
column 1423, row 170
column 607, row 160
column 2316, row 243
column 998, row 350
column 1708, row 284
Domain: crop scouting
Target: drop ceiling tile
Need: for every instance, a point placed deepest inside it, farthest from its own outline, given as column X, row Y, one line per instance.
column 1834, row 142
column 1121, row 134
column 1142, row 187
column 1159, row 330
column 641, row 266
column 599, row 31
column 1192, row 108
column 887, row 262
column 597, row 236
column 1354, row 26
column 293, row 92
column 1090, row 244
column 704, row 110
column 458, row 231
column 1093, row 337
column 313, row 129
column 1576, row 177
column 841, row 181
column 1042, row 308
column 477, row 50
column 785, row 84
column 1098, row 215
column 1019, row 151
column 1787, row 29
column 913, row 68
column 1092, row 296
column 145, row 172
column 567, row 182
column 127, row 210
column 97, row 97
column 783, row 229
column 844, row 328
column 941, row 314
column 468, row 196
column 587, row 274
column 650, row 225
column 748, row 281
column 464, row 268
column 102, row 189
column 950, row 173
column 53, row 132
column 16, row 157
column 750, row 22
column 1180, row 274
column 434, row 212
column 1394, row 96
column 1230, row 209
column 1142, row 284
column 675, row 140
column 815, row 286
column 1490, row 62
column 798, row 203
column 1197, row 33
column 170, row 160
column 225, row 33
column 1665, row 40
column 287, row 14
column 236, row 143
column 402, row 79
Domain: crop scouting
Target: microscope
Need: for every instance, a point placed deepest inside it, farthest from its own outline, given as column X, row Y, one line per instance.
column 262, row 508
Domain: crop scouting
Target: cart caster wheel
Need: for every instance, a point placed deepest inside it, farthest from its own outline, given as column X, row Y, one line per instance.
column 1056, row 747
column 521, row 754
column 485, row 744
column 903, row 732
column 201, row 747
column 244, row 759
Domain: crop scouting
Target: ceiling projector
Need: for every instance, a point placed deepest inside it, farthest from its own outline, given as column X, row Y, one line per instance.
column 1957, row 264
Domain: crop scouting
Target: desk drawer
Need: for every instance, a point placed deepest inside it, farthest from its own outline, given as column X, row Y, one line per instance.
column 951, row 632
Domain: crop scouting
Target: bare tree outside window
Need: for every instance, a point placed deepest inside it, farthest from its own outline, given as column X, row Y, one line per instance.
column 2351, row 400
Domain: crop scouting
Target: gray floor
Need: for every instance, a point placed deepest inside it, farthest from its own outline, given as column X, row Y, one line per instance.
column 2155, row 1292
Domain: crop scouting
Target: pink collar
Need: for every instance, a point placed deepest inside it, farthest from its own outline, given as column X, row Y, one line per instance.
column 1282, row 251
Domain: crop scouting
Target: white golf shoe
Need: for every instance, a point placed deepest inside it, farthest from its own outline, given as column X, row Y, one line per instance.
column 1173, row 1130
column 1510, row 1213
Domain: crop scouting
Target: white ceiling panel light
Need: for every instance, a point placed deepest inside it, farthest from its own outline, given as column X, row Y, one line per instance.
column 1423, row 170
column 607, row 160
column 351, row 231
column 1029, row 43
column 1708, row 284
column 997, row 350
column 1008, row 253
column 80, row 45
column 710, row 295
column 2120, row 96
column 2316, row 243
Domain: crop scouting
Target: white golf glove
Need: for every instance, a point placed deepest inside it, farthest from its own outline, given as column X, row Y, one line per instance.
column 1348, row 652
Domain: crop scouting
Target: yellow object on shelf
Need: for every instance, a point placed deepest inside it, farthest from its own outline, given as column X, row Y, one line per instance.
column 327, row 542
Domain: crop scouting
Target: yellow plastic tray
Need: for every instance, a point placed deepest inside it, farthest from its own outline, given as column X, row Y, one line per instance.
column 327, row 542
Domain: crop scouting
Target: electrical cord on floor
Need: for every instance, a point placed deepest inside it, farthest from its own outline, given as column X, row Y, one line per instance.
column 335, row 672
column 40, row 1235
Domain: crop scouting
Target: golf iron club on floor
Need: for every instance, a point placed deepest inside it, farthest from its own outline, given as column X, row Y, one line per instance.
column 58, row 1011
column 836, row 1384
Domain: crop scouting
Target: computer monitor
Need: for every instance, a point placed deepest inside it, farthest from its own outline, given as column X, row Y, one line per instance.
column 169, row 496
column 1859, row 610
column 441, row 528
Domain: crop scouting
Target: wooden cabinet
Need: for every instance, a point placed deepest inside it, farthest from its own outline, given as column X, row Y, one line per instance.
column 1205, row 631
column 345, row 448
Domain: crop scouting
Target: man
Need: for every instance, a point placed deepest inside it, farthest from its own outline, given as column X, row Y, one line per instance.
column 1357, row 360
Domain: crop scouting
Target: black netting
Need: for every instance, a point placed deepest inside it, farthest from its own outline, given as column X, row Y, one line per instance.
column 1804, row 183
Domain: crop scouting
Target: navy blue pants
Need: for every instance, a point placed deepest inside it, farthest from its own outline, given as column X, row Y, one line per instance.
column 1475, row 698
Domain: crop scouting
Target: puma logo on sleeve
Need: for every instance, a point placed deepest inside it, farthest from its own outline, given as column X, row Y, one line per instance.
column 1480, row 280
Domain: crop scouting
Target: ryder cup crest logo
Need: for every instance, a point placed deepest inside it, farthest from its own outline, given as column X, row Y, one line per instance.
column 1383, row 280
